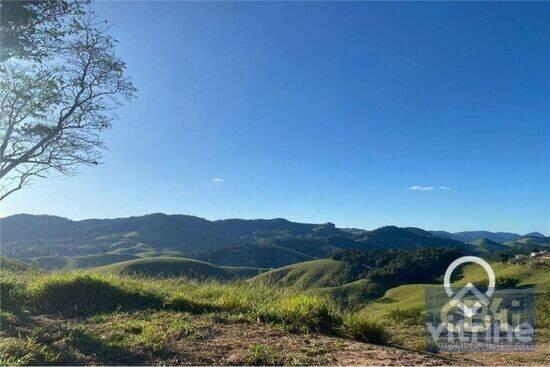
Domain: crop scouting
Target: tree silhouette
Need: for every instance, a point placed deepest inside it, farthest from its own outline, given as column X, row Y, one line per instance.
column 54, row 106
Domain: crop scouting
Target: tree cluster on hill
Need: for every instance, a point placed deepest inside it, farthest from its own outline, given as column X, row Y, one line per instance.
column 392, row 267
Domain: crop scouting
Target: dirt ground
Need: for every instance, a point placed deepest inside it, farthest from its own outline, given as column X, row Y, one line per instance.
column 208, row 342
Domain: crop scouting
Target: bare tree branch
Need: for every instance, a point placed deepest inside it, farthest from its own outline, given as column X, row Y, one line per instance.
column 52, row 113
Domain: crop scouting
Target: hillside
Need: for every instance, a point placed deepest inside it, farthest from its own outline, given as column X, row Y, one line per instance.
column 252, row 255
column 90, row 261
column 527, row 241
column 259, row 243
column 307, row 275
column 471, row 236
column 124, row 321
column 486, row 246
column 169, row 267
column 411, row 296
column 395, row 237
column 48, row 262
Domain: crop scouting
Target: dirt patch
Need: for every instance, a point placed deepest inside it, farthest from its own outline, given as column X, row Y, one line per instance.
column 235, row 344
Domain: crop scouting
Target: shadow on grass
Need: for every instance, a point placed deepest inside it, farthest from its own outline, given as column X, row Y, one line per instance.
column 86, row 295
column 104, row 353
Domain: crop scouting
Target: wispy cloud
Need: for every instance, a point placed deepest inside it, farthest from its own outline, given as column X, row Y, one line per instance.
column 421, row 188
column 428, row 188
column 218, row 179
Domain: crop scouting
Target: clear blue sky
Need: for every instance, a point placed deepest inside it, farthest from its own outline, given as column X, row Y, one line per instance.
column 325, row 112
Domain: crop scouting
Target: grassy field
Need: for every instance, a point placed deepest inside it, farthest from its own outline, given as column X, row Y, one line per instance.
column 92, row 317
column 106, row 316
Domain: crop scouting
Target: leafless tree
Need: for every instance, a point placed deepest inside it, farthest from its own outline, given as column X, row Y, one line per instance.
column 52, row 112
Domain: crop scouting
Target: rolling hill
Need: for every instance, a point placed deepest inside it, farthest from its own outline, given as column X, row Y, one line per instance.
column 50, row 241
column 486, row 246
column 471, row 236
column 396, row 237
column 91, row 261
column 232, row 242
column 169, row 267
column 529, row 241
column 411, row 296
column 252, row 255
column 48, row 262
column 307, row 275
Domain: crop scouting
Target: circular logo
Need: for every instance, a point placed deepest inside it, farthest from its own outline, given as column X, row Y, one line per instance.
column 469, row 287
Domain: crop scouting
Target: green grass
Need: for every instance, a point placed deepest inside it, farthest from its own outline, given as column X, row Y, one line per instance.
column 244, row 272
column 9, row 264
column 169, row 267
column 159, row 254
column 50, row 262
column 411, row 296
column 360, row 327
column 80, row 293
column 130, row 248
column 264, row 355
column 306, row 275
column 90, row 293
column 131, row 319
column 352, row 295
column 90, row 261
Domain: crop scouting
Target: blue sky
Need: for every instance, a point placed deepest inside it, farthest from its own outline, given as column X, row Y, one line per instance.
column 324, row 112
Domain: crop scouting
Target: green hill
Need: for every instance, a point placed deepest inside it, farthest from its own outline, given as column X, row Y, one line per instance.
column 244, row 272
column 306, row 275
column 9, row 264
column 352, row 295
column 253, row 255
column 91, row 261
column 530, row 241
column 485, row 245
column 169, row 267
column 160, row 254
column 50, row 262
column 409, row 237
column 411, row 296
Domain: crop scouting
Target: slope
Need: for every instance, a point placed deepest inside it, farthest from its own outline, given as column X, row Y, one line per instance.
column 169, row 267
column 306, row 275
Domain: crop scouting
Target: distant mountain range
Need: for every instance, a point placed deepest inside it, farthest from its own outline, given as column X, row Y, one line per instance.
column 471, row 236
column 258, row 243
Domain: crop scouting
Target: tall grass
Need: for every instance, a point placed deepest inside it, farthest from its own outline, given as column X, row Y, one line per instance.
column 87, row 293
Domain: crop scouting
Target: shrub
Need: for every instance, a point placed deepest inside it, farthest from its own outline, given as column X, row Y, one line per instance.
column 506, row 282
column 301, row 312
column 357, row 326
column 86, row 293
column 10, row 296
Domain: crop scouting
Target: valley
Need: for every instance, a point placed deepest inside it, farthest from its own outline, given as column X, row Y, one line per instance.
column 165, row 289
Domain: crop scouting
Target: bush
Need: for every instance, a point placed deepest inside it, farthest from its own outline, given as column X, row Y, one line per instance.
column 86, row 293
column 10, row 296
column 301, row 312
column 357, row 326
column 506, row 283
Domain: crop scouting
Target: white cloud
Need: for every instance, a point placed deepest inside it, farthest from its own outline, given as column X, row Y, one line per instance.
column 428, row 188
column 421, row 188
column 218, row 179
